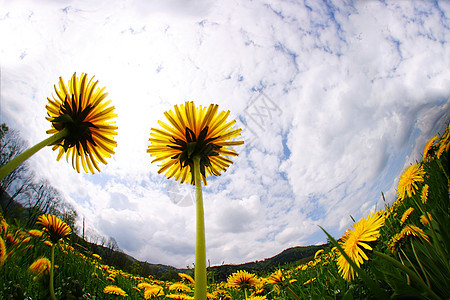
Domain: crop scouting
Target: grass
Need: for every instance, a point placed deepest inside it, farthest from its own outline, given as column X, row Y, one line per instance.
column 401, row 261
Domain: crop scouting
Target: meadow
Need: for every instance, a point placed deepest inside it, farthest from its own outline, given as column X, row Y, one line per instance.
column 401, row 250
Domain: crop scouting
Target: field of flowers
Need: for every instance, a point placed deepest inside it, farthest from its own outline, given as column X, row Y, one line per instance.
column 401, row 250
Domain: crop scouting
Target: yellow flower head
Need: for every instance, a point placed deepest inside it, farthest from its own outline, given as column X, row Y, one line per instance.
column 407, row 184
column 153, row 292
column 276, row 277
column 414, row 231
column 366, row 230
column 186, row 277
column 242, row 280
column 97, row 256
column 54, row 227
column 406, row 214
column 194, row 131
column 180, row 297
column 424, row 195
column 35, row 232
column 40, row 266
column 180, row 287
column 318, row 253
column 114, row 290
column 424, row 220
column 428, row 146
column 80, row 108
column 2, row 251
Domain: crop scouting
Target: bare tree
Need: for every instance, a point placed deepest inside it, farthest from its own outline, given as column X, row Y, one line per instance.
column 17, row 183
column 42, row 199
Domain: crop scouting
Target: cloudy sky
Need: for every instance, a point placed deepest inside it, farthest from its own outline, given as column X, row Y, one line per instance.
column 335, row 99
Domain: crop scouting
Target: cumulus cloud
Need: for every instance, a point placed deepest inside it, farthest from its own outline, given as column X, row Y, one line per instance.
column 334, row 101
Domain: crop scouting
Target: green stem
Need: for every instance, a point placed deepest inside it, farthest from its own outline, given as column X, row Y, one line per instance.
column 292, row 292
column 16, row 161
column 52, row 290
column 413, row 275
column 371, row 284
column 200, row 247
column 420, row 264
column 437, row 241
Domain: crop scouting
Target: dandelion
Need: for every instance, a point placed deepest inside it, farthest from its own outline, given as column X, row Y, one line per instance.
column 428, row 147
column 309, row 281
column 40, row 266
column 97, row 256
column 406, row 215
column 257, row 298
column 424, row 194
column 444, row 143
column 54, row 227
column 180, row 287
column 114, row 290
column 80, row 108
column 276, row 277
column 2, row 251
column 424, row 219
column 81, row 126
column 35, row 233
column 180, row 296
column 414, row 231
column 318, row 253
column 242, row 280
column 193, row 147
column 407, row 184
column 187, row 277
column 358, row 235
column 153, row 291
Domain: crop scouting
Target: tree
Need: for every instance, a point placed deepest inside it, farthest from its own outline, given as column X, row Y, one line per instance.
column 17, row 183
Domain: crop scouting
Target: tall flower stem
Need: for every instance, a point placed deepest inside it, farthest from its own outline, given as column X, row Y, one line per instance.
column 52, row 266
column 200, row 246
column 412, row 274
column 16, row 161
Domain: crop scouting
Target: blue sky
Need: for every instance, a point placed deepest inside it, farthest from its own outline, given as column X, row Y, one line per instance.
column 335, row 99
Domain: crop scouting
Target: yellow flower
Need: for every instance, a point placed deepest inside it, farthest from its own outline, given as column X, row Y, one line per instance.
column 256, row 298
column 406, row 214
column 40, row 266
column 309, row 281
column 428, row 147
column 180, row 287
column 81, row 109
column 114, row 290
column 366, row 230
column 400, row 238
column 35, row 233
column 54, row 227
column 194, row 132
column 318, row 253
column 187, row 277
column 424, row 219
column 275, row 277
column 153, row 291
column 407, row 184
column 242, row 279
column 97, row 256
column 424, row 195
column 2, row 251
column 444, row 142
column 414, row 231
column 180, row 297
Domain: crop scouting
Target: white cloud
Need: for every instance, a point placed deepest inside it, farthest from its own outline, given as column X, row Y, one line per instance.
column 350, row 95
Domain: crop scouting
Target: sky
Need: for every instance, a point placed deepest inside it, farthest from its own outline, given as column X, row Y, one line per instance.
column 335, row 99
